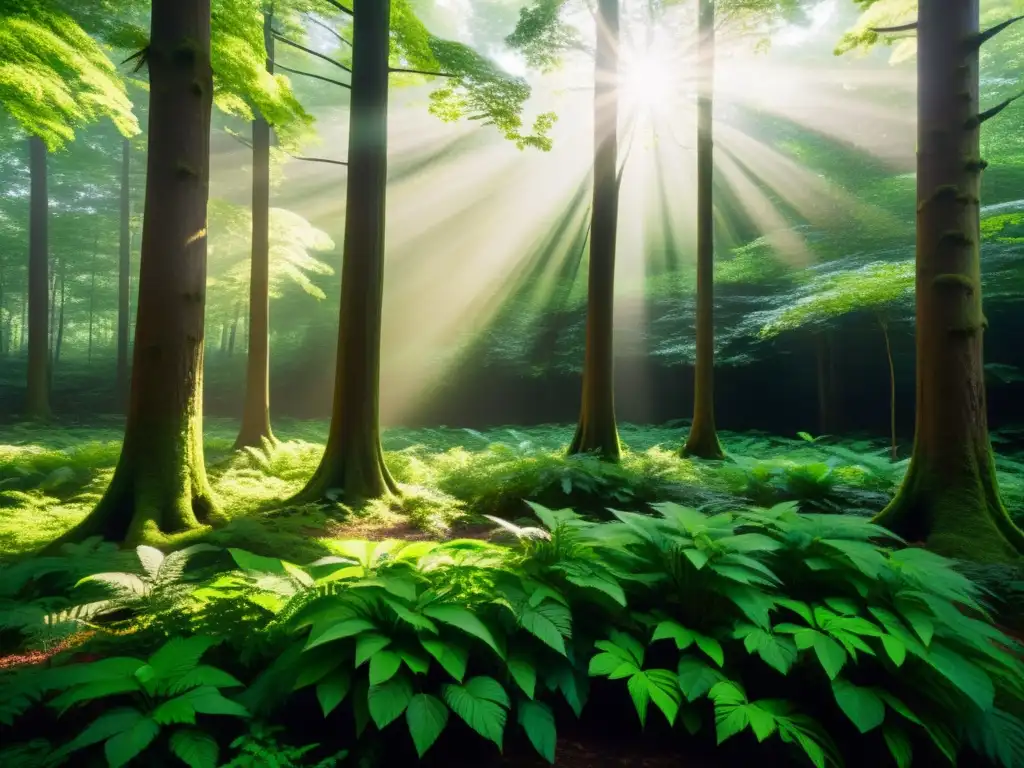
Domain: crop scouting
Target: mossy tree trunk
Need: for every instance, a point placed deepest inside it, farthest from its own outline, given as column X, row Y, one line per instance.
column 702, row 441
column 949, row 497
column 160, row 481
column 124, row 268
column 596, row 431
column 352, row 467
column 37, row 400
column 255, row 427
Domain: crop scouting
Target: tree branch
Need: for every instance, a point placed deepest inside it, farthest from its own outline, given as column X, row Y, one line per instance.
column 988, row 34
column 988, row 114
column 340, row 7
column 310, row 51
column 422, row 72
column 310, row 74
column 334, row 32
column 317, row 159
column 901, row 28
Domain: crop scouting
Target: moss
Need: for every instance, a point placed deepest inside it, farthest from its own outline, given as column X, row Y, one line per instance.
column 950, row 280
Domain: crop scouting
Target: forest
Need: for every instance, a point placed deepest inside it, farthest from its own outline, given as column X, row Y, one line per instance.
column 585, row 383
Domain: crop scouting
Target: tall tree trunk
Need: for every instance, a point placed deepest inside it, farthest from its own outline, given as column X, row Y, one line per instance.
column 160, row 483
column 60, row 317
column 702, row 441
column 5, row 317
column 23, row 328
column 37, row 402
column 255, row 427
column 233, row 334
column 223, row 338
column 92, row 294
column 883, row 323
column 949, row 497
column 124, row 271
column 353, row 462
column 596, row 431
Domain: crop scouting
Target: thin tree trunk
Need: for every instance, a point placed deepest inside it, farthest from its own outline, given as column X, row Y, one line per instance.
column 353, row 463
column 223, row 338
column 124, row 271
column 37, row 403
column 703, row 438
column 893, row 448
column 949, row 497
column 60, row 317
column 596, row 431
column 255, row 427
column 160, row 483
column 92, row 295
column 234, row 332
column 5, row 317
column 23, row 328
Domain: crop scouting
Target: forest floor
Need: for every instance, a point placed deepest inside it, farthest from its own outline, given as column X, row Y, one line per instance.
column 451, row 478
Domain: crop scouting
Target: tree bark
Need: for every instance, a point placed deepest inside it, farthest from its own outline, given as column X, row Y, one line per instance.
column 160, row 483
column 92, row 295
column 124, row 272
column 596, row 431
column 37, row 402
column 255, row 429
column 949, row 497
column 352, row 467
column 702, row 441
column 58, row 343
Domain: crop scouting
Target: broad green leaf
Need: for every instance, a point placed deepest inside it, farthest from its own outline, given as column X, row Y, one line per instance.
column 464, row 619
column 696, row 678
column 195, row 748
column 895, row 648
column 411, row 617
column 482, row 704
column 899, row 745
column 339, row 631
column 538, row 721
column 539, row 623
column 599, row 582
column 95, row 690
column 176, row 710
column 862, row 705
column 640, row 691
column 671, row 630
column 102, row 728
column 333, row 689
column 523, row 672
column 313, row 665
column 389, row 700
column 665, row 693
column 179, row 655
column 369, row 643
column 210, row 701
column 711, row 648
column 383, row 666
column 130, row 743
column 629, row 647
column 417, row 662
column 247, row 561
column 452, row 657
column 762, row 722
column 204, row 675
column 830, row 654
column 427, row 717
column 968, row 677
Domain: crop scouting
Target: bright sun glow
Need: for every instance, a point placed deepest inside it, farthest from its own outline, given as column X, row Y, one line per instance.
column 646, row 82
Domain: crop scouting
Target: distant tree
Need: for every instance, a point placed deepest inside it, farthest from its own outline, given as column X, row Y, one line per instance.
column 949, row 497
column 876, row 288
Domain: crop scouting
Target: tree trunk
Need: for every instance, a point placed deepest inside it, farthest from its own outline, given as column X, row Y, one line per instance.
column 124, row 271
column 92, row 295
column 60, row 317
column 223, row 338
column 596, row 431
column 160, row 483
column 949, row 497
column 37, row 402
column 233, row 334
column 353, row 463
column 5, row 317
column 703, row 439
column 893, row 448
column 23, row 328
column 255, row 427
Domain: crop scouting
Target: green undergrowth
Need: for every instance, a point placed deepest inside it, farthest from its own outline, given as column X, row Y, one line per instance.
column 50, row 478
column 759, row 634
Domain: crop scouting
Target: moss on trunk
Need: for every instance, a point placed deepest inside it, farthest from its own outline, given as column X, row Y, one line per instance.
column 352, row 468
column 596, row 431
column 949, row 497
column 702, row 441
column 160, row 482
column 255, row 428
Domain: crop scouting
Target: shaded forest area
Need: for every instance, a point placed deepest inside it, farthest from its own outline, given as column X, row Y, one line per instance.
column 254, row 253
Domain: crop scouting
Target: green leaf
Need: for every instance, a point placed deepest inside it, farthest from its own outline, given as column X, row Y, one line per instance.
column 609, row 665
column 671, row 630
column 383, row 666
column 453, row 658
column 921, row 623
column 599, row 582
column 210, row 701
column 150, row 558
column 333, row 689
column 176, row 710
column 538, row 622
column 94, row 690
column 482, row 704
column 640, row 691
column 863, row 706
column 711, row 648
column 830, row 654
column 247, row 561
column 339, row 631
column 179, row 655
column 388, row 700
column 538, row 721
column 899, row 745
column 130, row 743
column 368, row 644
column 762, row 722
column 410, row 617
column 195, row 748
column 895, row 648
column 313, row 665
column 465, row 620
column 696, row 678
column 624, row 645
column 417, row 662
column 102, row 728
column 204, row 675
column 523, row 672
column 665, row 693
column 427, row 717
column 968, row 677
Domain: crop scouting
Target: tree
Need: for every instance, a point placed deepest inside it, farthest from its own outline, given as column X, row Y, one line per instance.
column 352, row 466
column 950, row 497
column 160, row 481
